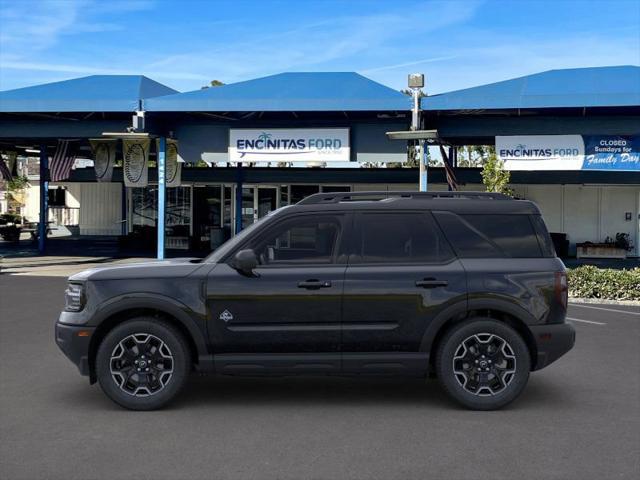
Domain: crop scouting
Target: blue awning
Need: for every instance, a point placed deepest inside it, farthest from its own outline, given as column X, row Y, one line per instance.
column 96, row 93
column 288, row 92
column 577, row 87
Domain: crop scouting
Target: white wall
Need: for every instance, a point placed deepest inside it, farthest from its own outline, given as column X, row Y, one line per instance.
column 100, row 208
column 31, row 208
column 587, row 212
column 73, row 195
column 615, row 202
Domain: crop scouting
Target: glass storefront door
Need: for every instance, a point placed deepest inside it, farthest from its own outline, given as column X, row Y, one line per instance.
column 257, row 201
column 209, row 230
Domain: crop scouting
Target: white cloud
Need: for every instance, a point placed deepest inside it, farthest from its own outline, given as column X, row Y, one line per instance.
column 30, row 27
column 408, row 64
column 89, row 70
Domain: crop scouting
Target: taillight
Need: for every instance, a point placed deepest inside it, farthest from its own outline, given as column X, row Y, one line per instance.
column 562, row 289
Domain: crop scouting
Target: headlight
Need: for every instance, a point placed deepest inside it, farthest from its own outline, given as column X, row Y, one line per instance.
column 74, row 297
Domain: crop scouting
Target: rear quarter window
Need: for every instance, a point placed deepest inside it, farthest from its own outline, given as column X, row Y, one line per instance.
column 490, row 235
column 544, row 239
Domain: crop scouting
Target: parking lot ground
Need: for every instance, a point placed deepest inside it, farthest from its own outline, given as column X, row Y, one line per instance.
column 579, row 418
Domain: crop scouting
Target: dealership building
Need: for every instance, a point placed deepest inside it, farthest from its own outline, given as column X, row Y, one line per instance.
column 231, row 154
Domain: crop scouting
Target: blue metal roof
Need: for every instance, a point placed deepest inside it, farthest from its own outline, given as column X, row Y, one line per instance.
column 576, row 87
column 306, row 91
column 96, row 93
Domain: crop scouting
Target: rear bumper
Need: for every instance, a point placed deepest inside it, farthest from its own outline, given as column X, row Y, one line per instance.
column 552, row 341
column 74, row 342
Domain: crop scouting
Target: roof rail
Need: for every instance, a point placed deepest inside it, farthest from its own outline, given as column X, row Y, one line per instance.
column 377, row 196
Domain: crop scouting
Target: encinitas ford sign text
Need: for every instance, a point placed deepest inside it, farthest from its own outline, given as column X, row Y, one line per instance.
column 289, row 145
column 569, row 152
column 541, row 152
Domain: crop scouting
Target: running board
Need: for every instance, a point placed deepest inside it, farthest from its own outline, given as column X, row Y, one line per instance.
column 367, row 363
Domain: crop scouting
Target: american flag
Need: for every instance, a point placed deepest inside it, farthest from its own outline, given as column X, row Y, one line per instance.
column 452, row 181
column 4, row 170
column 62, row 160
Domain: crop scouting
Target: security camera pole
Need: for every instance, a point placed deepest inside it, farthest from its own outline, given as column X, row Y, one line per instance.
column 416, row 83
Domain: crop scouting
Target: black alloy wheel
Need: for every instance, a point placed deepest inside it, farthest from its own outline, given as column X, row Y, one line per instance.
column 483, row 363
column 143, row 363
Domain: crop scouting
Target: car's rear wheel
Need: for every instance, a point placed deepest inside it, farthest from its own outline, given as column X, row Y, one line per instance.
column 483, row 363
column 143, row 363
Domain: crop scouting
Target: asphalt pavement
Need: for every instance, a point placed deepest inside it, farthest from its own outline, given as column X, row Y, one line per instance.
column 578, row 418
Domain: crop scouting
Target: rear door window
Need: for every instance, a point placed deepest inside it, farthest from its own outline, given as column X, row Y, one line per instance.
column 399, row 237
column 490, row 236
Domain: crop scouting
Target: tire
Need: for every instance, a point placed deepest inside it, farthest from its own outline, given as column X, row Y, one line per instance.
column 143, row 363
column 483, row 364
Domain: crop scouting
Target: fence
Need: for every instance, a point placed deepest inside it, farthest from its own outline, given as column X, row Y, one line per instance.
column 64, row 215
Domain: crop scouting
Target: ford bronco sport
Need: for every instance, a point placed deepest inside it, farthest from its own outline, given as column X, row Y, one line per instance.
column 463, row 286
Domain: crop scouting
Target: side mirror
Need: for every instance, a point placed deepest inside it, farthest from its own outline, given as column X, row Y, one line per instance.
column 245, row 261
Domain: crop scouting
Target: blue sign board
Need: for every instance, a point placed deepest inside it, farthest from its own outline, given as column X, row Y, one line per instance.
column 611, row 152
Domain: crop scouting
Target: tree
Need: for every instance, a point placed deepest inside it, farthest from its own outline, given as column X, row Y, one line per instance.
column 15, row 194
column 213, row 83
column 474, row 155
column 495, row 177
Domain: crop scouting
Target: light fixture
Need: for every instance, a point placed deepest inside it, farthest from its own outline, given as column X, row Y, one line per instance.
column 126, row 134
column 414, row 135
column 416, row 80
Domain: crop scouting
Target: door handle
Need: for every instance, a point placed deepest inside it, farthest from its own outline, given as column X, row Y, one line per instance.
column 431, row 283
column 314, row 284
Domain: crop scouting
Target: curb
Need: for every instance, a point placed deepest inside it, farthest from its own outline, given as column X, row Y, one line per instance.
column 602, row 301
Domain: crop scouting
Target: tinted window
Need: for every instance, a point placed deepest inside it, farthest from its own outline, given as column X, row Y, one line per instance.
column 490, row 236
column 544, row 239
column 300, row 240
column 400, row 238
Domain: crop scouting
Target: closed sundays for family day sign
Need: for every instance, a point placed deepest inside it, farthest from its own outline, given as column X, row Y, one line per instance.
column 289, row 145
column 569, row 152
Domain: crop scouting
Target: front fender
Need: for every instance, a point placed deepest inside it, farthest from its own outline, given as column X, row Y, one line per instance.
column 193, row 322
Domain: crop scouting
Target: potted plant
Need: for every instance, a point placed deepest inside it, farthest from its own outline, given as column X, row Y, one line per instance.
column 10, row 226
column 611, row 247
column 11, row 222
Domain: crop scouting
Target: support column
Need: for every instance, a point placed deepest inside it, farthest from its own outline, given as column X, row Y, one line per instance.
column 44, row 200
column 452, row 162
column 124, row 211
column 423, row 166
column 238, row 226
column 162, row 150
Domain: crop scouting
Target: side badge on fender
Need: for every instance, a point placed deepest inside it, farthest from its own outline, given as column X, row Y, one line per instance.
column 226, row 316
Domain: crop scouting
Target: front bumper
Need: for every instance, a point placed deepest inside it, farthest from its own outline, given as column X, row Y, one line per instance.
column 74, row 342
column 552, row 341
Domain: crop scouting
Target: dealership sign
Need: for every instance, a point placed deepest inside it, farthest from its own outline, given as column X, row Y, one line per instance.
column 289, row 145
column 569, row 152
column 611, row 153
column 541, row 152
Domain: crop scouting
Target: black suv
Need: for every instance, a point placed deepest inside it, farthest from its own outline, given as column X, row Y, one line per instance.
column 462, row 286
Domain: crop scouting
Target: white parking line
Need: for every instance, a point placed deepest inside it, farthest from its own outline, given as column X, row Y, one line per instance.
column 584, row 321
column 602, row 308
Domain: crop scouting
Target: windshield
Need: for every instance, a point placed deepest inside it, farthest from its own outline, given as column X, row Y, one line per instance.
column 224, row 249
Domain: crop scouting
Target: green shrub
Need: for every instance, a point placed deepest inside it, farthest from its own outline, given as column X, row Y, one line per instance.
column 588, row 281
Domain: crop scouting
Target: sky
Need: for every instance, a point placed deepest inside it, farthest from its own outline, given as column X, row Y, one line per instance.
column 185, row 44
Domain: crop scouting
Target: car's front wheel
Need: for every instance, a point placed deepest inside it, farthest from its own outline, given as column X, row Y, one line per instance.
column 143, row 363
column 483, row 363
